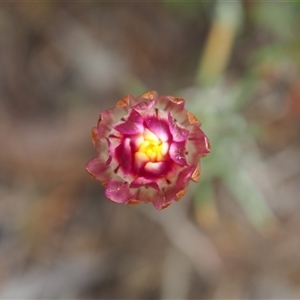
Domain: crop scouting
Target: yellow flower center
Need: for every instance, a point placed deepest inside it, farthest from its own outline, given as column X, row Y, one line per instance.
column 152, row 147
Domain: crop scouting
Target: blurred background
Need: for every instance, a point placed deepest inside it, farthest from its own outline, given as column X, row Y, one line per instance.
column 235, row 234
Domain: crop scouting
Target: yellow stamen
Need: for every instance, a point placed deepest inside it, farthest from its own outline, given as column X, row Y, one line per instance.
column 152, row 147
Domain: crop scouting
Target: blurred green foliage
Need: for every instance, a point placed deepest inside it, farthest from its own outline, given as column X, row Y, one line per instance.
column 219, row 105
column 234, row 148
column 280, row 19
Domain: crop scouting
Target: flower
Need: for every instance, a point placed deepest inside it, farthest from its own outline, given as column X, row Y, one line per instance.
column 149, row 148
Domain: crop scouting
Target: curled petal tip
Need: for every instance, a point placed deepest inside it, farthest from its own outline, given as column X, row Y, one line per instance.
column 208, row 146
column 149, row 95
column 94, row 135
column 100, row 118
column 161, row 202
column 165, row 206
column 193, row 119
column 181, row 193
column 196, row 174
column 176, row 100
column 123, row 102
column 133, row 202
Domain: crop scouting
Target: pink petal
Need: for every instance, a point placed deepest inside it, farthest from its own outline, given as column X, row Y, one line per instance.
column 199, row 140
column 140, row 159
column 171, row 103
column 133, row 124
column 176, row 107
column 144, row 194
column 177, row 153
column 100, row 144
column 142, row 98
column 179, row 134
column 157, row 169
column 192, row 157
column 159, row 127
column 161, row 202
column 184, row 177
column 169, row 193
column 150, row 95
column 115, row 138
column 123, row 156
column 99, row 169
column 181, row 183
column 117, row 191
column 110, row 117
column 145, row 105
column 141, row 181
column 104, row 123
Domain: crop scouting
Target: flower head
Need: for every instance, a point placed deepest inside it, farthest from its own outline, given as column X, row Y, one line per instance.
column 149, row 148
